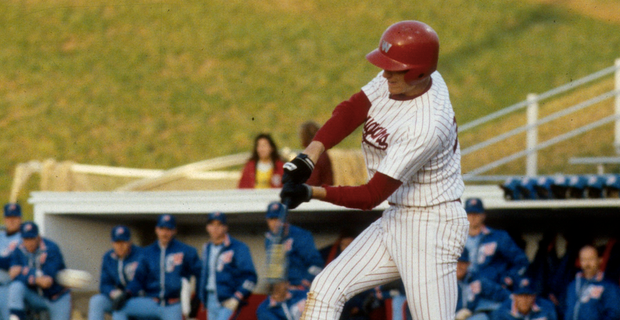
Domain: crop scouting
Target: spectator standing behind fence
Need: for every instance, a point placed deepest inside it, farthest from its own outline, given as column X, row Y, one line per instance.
column 524, row 304
column 264, row 168
column 10, row 238
column 34, row 265
column 159, row 274
column 304, row 260
column 590, row 296
column 117, row 270
column 282, row 303
column 228, row 275
column 322, row 173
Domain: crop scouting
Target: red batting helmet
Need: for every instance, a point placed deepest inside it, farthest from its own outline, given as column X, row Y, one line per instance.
column 407, row 45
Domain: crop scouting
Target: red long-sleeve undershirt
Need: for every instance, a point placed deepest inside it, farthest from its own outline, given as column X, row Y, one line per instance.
column 366, row 196
column 347, row 116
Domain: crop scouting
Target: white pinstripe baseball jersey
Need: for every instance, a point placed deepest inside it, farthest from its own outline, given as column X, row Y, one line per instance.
column 414, row 141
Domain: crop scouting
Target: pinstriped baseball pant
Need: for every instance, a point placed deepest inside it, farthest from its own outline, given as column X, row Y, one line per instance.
column 418, row 244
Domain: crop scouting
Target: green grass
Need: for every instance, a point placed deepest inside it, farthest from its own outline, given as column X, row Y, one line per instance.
column 161, row 84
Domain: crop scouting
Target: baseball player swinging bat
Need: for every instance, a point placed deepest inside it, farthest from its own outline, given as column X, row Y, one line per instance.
column 276, row 255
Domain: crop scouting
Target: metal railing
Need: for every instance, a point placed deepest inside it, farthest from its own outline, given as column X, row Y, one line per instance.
column 533, row 123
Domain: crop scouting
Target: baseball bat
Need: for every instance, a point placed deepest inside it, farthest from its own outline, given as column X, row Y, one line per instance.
column 276, row 255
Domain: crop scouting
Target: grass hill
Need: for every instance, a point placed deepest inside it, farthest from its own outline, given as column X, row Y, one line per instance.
column 158, row 84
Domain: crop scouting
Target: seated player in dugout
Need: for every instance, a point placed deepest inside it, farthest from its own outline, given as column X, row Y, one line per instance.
column 303, row 258
column 34, row 265
column 228, row 276
column 10, row 238
column 118, row 268
column 159, row 274
column 590, row 295
column 525, row 303
column 493, row 254
column 282, row 303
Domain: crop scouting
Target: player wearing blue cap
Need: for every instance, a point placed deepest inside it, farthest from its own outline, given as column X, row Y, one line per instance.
column 493, row 254
column 228, row 275
column 117, row 270
column 9, row 240
column 524, row 304
column 282, row 303
column 34, row 265
column 159, row 275
column 304, row 259
column 474, row 290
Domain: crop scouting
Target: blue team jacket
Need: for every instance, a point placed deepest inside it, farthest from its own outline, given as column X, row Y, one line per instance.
column 499, row 257
column 472, row 290
column 8, row 244
column 290, row 309
column 159, row 273
column 46, row 260
column 117, row 273
column 304, row 260
column 235, row 274
column 541, row 310
column 593, row 299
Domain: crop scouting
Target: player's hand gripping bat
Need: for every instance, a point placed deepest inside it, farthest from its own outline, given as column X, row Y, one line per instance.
column 276, row 253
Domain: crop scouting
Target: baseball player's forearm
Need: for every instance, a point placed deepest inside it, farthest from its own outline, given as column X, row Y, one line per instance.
column 364, row 197
column 314, row 150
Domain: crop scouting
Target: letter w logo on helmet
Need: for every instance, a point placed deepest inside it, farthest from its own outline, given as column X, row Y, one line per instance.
column 385, row 46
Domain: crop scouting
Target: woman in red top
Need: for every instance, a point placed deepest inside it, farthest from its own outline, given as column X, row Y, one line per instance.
column 264, row 169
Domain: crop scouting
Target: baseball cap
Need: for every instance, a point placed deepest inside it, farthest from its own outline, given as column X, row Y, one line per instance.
column 12, row 210
column 273, row 210
column 121, row 233
column 216, row 216
column 167, row 221
column 524, row 286
column 29, row 230
column 474, row 205
column 464, row 256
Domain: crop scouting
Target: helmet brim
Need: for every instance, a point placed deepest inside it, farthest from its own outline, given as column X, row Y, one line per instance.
column 384, row 62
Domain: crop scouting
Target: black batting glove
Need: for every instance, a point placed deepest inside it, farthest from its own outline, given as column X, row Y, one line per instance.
column 295, row 194
column 298, row 170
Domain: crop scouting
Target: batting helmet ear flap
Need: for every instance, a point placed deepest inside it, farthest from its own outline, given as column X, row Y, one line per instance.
column 407, row 45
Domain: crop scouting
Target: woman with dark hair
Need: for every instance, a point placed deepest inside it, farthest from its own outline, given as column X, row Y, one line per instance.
column 264, row 169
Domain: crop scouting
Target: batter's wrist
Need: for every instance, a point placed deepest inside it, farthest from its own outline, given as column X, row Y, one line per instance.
column 318, row 193
column 314, row 150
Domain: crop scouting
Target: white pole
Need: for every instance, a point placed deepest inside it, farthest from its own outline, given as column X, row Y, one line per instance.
column 531, row 163
column 617, row 86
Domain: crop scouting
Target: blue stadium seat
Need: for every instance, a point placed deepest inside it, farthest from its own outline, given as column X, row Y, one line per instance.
column 611, row 188
column 559, row 186
column 510, row 187
column 577, row 187
column 526, row 189
column 543, row 187
column 594, row 186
